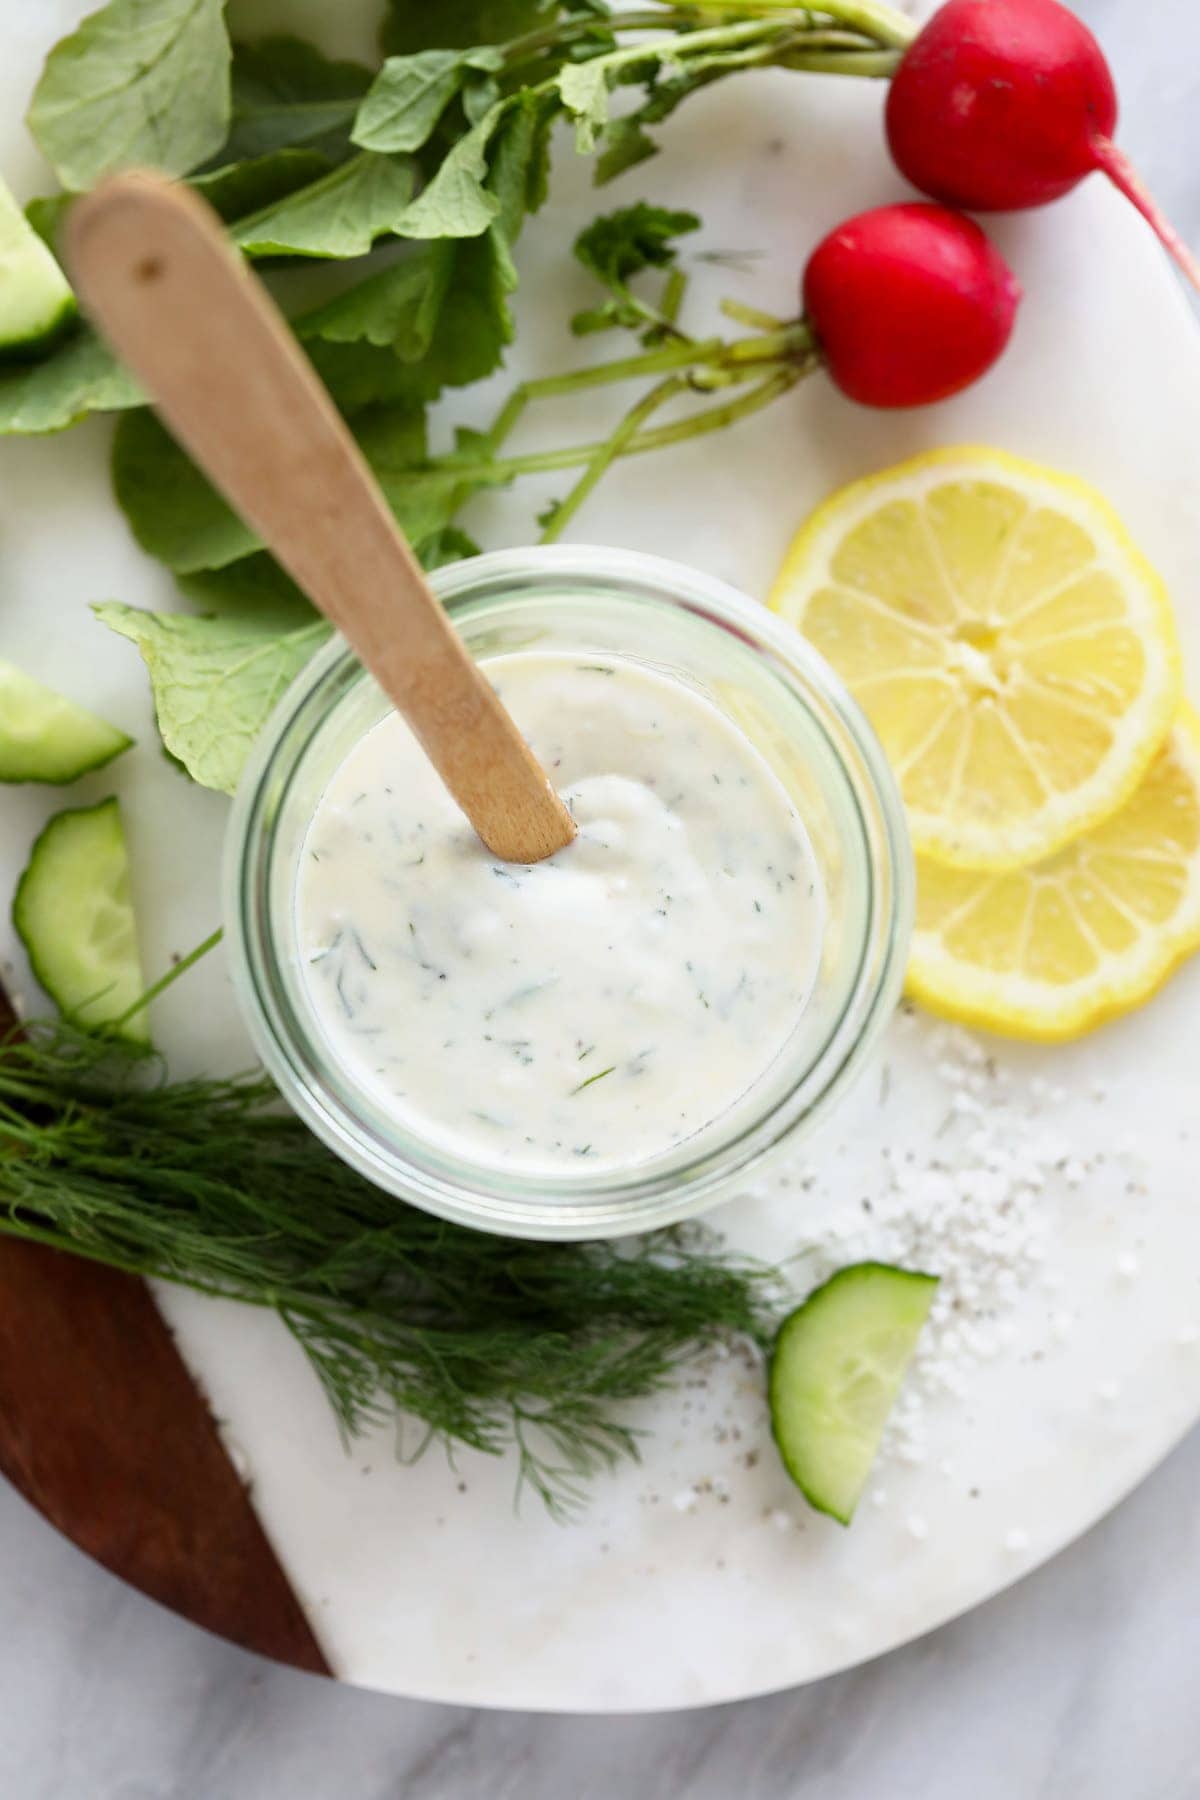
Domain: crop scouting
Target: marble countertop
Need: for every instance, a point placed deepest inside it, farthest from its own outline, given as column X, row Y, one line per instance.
column 1077, row 1682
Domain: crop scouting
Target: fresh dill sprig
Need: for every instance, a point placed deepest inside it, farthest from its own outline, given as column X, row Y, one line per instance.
column 599, row 1076
column 487, row 1341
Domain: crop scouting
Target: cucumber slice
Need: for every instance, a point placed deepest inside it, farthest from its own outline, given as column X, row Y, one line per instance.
column 45, row 737
column 36, row 302
column 836, row 1367
column 74, row 915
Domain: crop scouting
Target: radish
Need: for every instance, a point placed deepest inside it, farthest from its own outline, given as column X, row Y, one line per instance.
column 908, row 304
column 1003, row 104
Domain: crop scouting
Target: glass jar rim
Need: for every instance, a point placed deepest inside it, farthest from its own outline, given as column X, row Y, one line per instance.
column 613, row 1202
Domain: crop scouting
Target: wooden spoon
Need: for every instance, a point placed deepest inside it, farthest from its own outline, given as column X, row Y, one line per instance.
column 155, row 270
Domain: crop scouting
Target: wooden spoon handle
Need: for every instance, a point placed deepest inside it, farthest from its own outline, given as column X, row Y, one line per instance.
column 155, row 270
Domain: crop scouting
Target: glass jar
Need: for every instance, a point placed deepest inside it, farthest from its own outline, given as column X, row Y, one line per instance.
column 782, row 696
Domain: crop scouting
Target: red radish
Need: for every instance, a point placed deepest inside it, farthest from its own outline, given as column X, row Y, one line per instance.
column 908, row 304
column 1003, row 104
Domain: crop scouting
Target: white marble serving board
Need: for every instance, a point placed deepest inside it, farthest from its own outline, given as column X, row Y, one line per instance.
column 699, row 1576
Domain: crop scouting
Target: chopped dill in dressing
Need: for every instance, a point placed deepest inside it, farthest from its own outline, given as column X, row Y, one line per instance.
column 600, row 1007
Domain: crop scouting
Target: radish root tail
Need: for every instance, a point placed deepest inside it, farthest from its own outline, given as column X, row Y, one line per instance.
column 1121, row 172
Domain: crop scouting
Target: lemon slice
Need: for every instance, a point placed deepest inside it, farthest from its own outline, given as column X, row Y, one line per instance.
column 1051, row 950
column 1014, row 652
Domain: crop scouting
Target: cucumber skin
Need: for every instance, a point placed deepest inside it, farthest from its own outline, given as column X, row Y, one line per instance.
column 840, row 1278
column 136, row 1031
column 46, row 737
column 24, row 778
column 19, row 353
column 46, row 307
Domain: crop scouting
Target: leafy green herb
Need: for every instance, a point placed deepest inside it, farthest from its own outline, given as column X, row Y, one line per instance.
column 397, row 308
column 339, row 215
column 216, row 680
column 46, row 213
column 254, row 584
column 496, row 171
column 573, row 70
column 227, row 681
column 484, row 170
column 363, row 376
column 289, row 182
column 583, row 90
column 457, row 202
column 668, row 69
column 175, row 514
column 234, row 190
column 424, row 496
column 140, row 81
column 599, row 1076
column 413, row 25
column 483, row 1341
column 79, row 377
column 619, row 246
column 287, row 95
column 405, row 103
column 178, row 516
column 448, row 546
column 292, row 110
column 440, row 313
column 520, row 160
column 237, row 189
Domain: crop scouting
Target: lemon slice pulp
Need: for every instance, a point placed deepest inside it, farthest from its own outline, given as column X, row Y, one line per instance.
column 1013, row 650
column 1051, row 950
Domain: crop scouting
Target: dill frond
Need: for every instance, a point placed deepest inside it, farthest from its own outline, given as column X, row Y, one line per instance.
column 488, row 1342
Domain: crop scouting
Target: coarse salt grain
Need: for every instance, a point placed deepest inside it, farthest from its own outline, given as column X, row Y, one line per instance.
column 970, row 1205
column 969, row 1202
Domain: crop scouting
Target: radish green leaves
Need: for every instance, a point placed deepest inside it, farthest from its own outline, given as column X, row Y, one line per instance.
column 216, row 680
column 341, row 214
column 287, row 96
column 402, row 109
column 80, row 377
column 140, row 81
column 430, row 163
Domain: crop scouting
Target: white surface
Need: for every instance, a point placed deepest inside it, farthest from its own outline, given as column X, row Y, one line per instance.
column 1076, row 1685
column 1118, row 379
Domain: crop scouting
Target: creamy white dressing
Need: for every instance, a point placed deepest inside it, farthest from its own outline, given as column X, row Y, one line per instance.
column 589, row 1012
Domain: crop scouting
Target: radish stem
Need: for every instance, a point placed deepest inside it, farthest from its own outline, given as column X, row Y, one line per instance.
column 877, row 65
column 883, row 23
column 497, row 472
column 562, row 514
column 862, row 26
